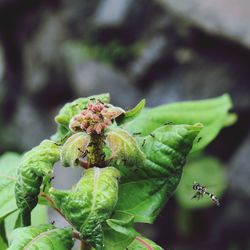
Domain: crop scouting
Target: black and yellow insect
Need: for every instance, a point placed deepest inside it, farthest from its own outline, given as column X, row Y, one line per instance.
column 202, row 190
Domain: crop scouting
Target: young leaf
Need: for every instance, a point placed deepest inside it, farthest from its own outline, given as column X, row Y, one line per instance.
column 36, row 164
column 212, row 113
column 41, row 237
column 125, row 153
column 8, row 173
column 73, row 148
column 90, row 203
column 131, row 114
column 205, row 170
column 119, row 231
column 149, row 180
column 71, row 109
column 39, row 215
column 142, row 243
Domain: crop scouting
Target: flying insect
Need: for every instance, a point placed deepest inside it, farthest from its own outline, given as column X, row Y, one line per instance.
column 200, row 191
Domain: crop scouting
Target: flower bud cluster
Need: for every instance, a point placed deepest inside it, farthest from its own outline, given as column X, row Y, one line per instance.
column 95, row 118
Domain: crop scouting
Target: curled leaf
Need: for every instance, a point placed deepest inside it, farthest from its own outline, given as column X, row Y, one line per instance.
column 125, row 153
column 119, row 231
column 41, row 237
column 36, row 164
column 90, row 203
column 74, row 148
column 131, row 114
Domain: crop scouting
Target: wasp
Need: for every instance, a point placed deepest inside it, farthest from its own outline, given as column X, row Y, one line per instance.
column 202, row 190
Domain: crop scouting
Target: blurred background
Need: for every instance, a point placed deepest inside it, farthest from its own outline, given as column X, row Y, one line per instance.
column 52, row 52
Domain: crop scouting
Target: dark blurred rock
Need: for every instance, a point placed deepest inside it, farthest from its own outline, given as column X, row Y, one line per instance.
column 2, row 74
column 239, row 174
column 78, row 15
column 2, row 63
column 112, row 12
column 43, row 55
column 91, row 77
column 154, row 50
column 221, row 17
column 198, row 77
column 27, row 128
column 125, row 20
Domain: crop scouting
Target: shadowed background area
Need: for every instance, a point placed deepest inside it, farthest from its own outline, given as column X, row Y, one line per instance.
column 52, row 52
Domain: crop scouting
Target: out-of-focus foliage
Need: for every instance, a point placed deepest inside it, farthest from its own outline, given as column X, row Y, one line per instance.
column 111, row 53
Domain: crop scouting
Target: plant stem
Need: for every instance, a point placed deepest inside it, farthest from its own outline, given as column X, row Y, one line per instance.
column 52, row 204
column 95, row 150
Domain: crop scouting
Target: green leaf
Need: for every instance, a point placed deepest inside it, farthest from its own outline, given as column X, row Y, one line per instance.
column 90, row 203
column 8, row 173
column 3, row 244
column 125, row 152
column 207, row 171
column 150, row 177
column 212, row 113
column 41, row 237
column 142, row 243
column 119, row 231
column 131, row 114
column 74, row 148
column 35, row 165
column 39, row 216
column 69, row 110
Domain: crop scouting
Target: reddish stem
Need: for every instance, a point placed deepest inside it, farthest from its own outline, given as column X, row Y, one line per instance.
column 144, row 243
